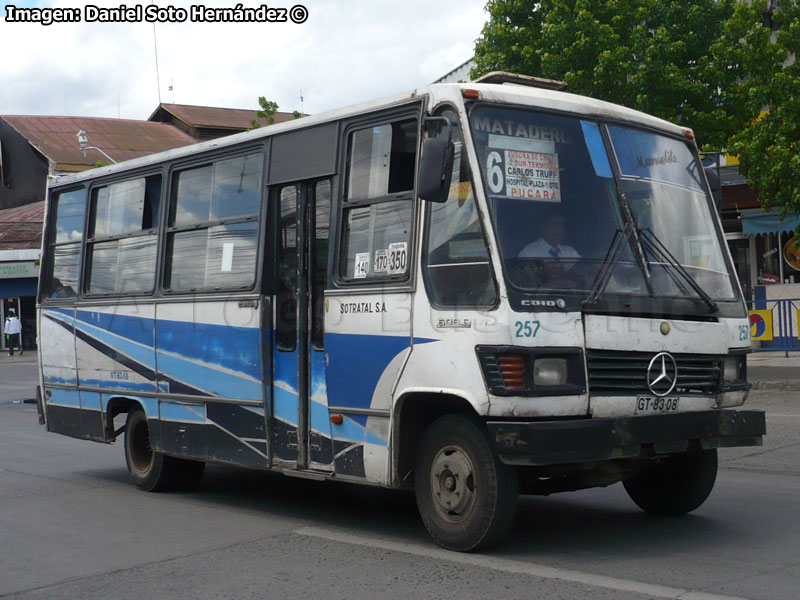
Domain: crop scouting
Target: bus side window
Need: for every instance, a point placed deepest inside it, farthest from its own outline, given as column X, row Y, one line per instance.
column 212, row 239
column 378, row 207
column 63, row 266
column 457, row 267
column 122, row 245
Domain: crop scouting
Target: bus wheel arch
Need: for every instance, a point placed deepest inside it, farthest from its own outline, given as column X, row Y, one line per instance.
column 414, row 414
column 118, row 405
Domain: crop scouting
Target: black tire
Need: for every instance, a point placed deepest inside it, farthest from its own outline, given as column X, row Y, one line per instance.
column 153, row 471
column 466, row 497
column 676, row 485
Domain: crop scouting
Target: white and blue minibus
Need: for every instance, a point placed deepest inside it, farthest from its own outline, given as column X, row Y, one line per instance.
column 474, row 291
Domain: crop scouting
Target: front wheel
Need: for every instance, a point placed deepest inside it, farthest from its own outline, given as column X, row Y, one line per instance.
column 153, row 471
column 466, row 497
column 676, row 485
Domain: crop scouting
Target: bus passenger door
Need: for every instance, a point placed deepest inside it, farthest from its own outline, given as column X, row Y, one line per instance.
column 300, row 426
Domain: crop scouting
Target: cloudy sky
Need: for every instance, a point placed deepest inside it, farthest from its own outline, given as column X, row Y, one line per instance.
column 347, row 51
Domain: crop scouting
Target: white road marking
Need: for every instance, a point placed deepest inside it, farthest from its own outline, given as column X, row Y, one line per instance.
column 515, row 566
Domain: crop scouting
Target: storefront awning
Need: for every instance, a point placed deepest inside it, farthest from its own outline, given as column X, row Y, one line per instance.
column 11, row 288
column 755, row 222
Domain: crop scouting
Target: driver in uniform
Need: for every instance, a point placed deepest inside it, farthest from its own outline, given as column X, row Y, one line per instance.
column 558, row 258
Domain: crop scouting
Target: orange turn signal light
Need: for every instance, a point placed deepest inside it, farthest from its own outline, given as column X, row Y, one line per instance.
column 337, row 419
column 512, row 366
column 470, row 94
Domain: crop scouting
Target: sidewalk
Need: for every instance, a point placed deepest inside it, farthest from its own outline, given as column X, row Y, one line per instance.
column 29, row 356
column 774, row 370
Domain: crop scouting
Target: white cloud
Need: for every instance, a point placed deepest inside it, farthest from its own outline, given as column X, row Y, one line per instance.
column 346, row 52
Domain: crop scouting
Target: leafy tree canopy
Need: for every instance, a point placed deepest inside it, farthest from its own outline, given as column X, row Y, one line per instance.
column 769, row 147
column 681, row 60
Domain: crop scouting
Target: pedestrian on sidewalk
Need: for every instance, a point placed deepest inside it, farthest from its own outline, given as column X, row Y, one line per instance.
column 13, row 331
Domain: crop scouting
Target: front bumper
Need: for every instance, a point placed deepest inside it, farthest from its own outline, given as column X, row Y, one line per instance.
column 583, row 440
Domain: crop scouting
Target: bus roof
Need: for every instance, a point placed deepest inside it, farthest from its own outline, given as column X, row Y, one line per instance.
column 563, row 101
column 439, row 93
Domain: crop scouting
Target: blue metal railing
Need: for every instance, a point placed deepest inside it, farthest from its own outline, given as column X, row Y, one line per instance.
column 784, row 325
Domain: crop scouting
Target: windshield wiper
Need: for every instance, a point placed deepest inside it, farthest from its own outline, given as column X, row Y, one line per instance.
column 646, row 238
column 621, row 236
column 661, row 252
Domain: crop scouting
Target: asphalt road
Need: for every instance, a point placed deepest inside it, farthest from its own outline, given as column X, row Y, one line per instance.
column 71, row 526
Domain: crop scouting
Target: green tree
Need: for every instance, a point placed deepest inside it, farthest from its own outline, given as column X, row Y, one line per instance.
column 769, row 146
column 674, row 59
column 266, row 113
column 508, row 39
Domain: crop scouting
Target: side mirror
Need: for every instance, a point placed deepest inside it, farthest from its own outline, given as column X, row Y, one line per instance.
column 436, row 166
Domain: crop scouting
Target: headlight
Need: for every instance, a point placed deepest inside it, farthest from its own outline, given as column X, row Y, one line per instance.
column 515, row 371
column 730, row 368
column 549, row 371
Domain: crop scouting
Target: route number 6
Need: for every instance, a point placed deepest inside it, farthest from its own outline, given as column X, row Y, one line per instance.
column 494, row 170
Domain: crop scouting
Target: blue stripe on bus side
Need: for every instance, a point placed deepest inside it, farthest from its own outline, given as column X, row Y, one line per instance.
column 226, row 346
column 285, row 409
column 175, row 370
column 357, row 363
column 171, row 411
column 285, row 405
column 59, row 380
column 136, row 329
column 142, row 355
column 122, row 385
column 90, row 400
column 66, row 320
column 62, row 397
column 67, row 312
column 210, row 379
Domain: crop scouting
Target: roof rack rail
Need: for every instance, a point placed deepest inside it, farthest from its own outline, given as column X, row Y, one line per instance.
column 519, row 79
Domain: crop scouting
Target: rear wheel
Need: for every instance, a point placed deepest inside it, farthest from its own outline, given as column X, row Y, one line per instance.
column 153, row 471
column 466, row 497
column 675, row 486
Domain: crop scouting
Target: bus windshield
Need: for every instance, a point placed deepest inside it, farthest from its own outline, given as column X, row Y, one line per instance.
column 557, row 213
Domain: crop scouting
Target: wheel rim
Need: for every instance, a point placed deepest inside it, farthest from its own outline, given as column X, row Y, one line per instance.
column 141, row 452
column 453, row 484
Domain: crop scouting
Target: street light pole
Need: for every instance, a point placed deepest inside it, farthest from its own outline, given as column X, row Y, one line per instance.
column 83, row 140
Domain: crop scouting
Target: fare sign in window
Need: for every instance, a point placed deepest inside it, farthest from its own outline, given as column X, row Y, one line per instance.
column 523, row 169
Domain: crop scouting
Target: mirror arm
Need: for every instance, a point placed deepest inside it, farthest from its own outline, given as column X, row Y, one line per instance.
column 428, row 122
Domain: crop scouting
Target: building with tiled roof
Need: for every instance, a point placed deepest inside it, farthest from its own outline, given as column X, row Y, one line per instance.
column 209, row 122
column 33, row 148
column 21, row 226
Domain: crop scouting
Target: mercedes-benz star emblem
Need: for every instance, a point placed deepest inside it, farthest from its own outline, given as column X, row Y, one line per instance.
column 662, row 374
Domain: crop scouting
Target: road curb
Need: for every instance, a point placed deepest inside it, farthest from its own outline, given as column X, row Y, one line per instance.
column 786, row 385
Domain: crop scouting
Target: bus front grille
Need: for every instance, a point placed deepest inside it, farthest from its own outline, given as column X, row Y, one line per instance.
column 613, row 372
